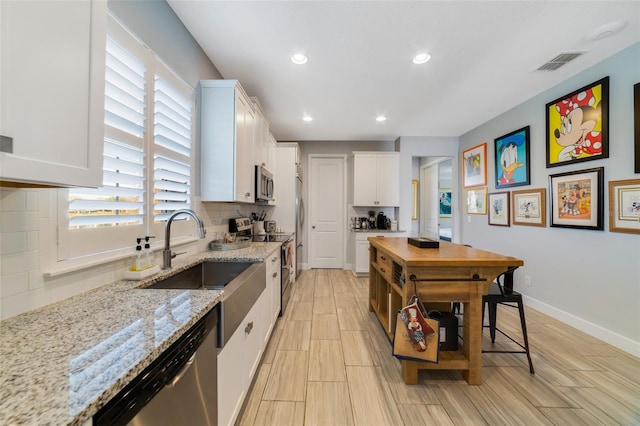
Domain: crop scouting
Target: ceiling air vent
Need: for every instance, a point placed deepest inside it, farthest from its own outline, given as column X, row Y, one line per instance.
column 559, row 61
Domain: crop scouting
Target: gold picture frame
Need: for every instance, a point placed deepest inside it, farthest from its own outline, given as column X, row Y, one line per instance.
column 528, row 207
column 414, row 214
column 477, row 201
column 624, row 206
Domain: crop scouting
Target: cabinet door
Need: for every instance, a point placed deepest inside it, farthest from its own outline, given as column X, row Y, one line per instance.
column 364, row 180
column 253, row 330
column 362, row 257
column 52, row 58
column 388, row 180
column 231, row 379
column 276, row 289
column 245, row 170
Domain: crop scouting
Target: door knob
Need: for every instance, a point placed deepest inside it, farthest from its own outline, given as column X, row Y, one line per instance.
column 313, row 227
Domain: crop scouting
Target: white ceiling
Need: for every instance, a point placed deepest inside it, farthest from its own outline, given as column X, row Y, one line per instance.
column 484, row 57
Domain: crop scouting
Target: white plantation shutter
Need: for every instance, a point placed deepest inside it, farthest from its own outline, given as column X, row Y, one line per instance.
column 172, row 143
column 147, row 156
column 120, row 201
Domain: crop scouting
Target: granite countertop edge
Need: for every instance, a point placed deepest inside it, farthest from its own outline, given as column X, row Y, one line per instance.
column 39, row 348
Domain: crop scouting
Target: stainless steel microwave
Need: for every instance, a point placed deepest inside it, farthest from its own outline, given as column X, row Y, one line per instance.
column 264, row 185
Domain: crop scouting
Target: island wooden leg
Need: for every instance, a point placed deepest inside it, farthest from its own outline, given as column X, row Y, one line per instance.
column 472, row 338
column 410, row 372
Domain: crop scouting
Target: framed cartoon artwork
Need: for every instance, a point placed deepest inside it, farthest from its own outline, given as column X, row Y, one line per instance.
column 499, row 208
column 578, row 125
column 624, row 206
column 577, row 199
column 636, row 126
column 512, row 159
column 444, row 195
column 474, row 166
column 528, row 207
column 477, row 201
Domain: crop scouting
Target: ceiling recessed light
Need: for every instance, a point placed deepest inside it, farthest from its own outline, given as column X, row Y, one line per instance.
column 381, row 118
column 299, row 59
column 421, row 58
column 307, row 118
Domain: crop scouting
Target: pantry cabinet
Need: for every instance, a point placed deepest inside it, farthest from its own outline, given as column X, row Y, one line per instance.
column 227, row 121
column 376, row 179
column 52, row 63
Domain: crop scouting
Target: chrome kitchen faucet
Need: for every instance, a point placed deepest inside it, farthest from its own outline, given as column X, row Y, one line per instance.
column 167, row 255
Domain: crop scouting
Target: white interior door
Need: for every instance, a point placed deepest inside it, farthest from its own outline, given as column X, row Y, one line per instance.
column 326, row 212
column 429, row 222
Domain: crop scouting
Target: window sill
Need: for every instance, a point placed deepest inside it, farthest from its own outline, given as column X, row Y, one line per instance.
column 80, row 263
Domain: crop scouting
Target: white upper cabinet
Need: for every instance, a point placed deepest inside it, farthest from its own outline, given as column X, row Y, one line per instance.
column 376, row 179
column 52, row 57
column 227, row 121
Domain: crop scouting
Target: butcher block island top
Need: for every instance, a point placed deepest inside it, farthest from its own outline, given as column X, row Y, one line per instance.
column 440, row 276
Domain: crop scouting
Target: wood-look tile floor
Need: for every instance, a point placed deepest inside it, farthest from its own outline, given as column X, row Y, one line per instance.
column 329, row 363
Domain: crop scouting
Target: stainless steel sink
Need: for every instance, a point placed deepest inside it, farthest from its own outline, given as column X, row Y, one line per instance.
column 206, row 275
column 242, row 282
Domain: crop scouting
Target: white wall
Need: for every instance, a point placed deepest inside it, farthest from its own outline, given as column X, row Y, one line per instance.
column 589, row 279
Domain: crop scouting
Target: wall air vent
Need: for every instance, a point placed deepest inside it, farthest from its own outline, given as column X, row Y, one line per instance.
column 559, row 61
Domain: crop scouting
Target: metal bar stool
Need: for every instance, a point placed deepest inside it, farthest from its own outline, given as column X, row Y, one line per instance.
column 501, row 292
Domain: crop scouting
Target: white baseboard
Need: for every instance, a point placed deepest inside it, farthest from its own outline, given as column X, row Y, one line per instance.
column 619, row 341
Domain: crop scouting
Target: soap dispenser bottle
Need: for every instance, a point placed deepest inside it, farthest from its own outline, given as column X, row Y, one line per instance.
column 139, row 261
column 147, row 253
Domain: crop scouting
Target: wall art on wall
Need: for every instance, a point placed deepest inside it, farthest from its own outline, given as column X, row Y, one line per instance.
column 624, row 206
column 474, row 166
column 414, row 188
column 499, row 208
column 445, row 202
column 477, row 201
column 528, row 207
column 512, row 159
column 636, row 126
column 578, row 125
column 577, row 199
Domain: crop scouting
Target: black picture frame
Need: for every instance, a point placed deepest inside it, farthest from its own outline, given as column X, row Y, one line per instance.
column 512, row 159
column 577, row 199
column 577, row 125
column 636, row 126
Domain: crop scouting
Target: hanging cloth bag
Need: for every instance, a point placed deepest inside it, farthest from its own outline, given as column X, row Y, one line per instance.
column 416, row 336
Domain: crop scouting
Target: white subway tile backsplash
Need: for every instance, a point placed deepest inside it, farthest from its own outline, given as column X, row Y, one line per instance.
column 32, row 240
column 13, row 242
column 32, row 197
column 13, row 284
column 14, row 263
column 36, row 280
column 12, row 200
column 23, row 302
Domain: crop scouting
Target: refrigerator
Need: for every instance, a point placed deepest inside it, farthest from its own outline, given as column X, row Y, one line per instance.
column 299, row 206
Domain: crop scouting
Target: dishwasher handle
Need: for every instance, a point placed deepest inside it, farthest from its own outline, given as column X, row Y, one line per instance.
column 183, row 371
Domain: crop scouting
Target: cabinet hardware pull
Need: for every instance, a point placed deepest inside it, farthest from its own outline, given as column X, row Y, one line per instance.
column 248, row 328
column 383, row 258
column 275, row 274
column 274, row 259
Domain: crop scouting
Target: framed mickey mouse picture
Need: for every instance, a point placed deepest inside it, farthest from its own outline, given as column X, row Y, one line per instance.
column 578, row 125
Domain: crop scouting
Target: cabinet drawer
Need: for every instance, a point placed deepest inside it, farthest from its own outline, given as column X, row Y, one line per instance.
column 385, row 266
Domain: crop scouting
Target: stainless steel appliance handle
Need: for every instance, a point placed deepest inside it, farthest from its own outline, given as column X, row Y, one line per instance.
column 183, row 371
column 301, row 212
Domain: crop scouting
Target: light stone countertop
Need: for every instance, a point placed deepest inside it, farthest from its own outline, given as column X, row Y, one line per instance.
column 61, row 363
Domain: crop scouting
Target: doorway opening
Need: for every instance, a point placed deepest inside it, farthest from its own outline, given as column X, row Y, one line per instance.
column 438, row 196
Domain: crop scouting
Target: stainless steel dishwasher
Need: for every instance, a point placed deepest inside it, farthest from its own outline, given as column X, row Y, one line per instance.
column 179, row 388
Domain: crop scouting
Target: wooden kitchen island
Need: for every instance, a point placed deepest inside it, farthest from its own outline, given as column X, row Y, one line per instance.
column 450, row 273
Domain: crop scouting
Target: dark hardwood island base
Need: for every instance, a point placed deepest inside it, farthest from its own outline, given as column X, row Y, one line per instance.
column 450, row 273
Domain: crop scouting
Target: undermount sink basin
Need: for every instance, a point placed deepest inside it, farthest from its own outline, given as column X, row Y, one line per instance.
column 206, row 275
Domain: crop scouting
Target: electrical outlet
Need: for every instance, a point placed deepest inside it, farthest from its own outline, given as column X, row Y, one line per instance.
column 527, row 280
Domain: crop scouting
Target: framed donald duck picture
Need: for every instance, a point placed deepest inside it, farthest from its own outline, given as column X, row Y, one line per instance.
column 578, row 125
column 512, row 159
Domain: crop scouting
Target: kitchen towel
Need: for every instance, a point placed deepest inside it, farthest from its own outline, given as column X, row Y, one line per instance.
column 416, row 336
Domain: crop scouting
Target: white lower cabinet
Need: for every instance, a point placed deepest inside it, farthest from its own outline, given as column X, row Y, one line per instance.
column 238, row 361
column 231, row 386
column 362, row 257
